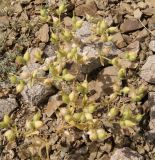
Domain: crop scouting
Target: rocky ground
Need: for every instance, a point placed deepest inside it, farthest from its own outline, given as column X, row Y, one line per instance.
column 21, row 30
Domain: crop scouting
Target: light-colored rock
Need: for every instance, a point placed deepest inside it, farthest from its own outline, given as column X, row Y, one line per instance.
column 25, row 1
column 18, row 8
column 126, row 154
column 84, row 32
column 4, row 21
column 118, row 40
column 101, row 4
column 91, row 51
column 88, row 8
column 7, row 106
column 142, row 35
column 43, row 33
column 134, row 47
column 130, row 25
column 137, row 13
column 37, row 94
column 152, row 45
column 148, row 70
column 49, row 51
column 151, row 23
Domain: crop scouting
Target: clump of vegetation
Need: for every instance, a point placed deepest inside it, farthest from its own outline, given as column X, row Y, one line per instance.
column 79, row 111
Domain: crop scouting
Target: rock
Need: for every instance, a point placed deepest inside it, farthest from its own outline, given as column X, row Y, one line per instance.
column 25, row 1
column 49, row 51
column 148, row 70
column 142, row 5
column 151, row 23
column 151, row 3
column 7, row 106
column 118, row 40
column 107, row 76
column 142, row 35
column 43, row 33
column 88, row 8
column 130, row 25
column 152, row 45
column 68, row 21
column 37, row 94
column 54, row 103
column 38, row 1
column 84, row 32
column 91, row 51
column 101, row 4
column 18, row 8
column 137, row 14
column 4, row 21
column 151, row 100
column 134, row 47
column 126, row 154
column 149, row 11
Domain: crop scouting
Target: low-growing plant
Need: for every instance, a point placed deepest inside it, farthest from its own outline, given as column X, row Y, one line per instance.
column 79, row 111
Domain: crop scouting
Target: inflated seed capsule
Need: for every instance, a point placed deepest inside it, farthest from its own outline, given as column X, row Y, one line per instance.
column 37, row 56
column 91, row 108
column 78, row 24
column 101, row 134
column 92, row 135
column 127, row 114
column 72, row 96
column 77, row 116
column 129, row 123
column 38, row 124
column 121, row 73
column 13, row 79
column 113, row 112
column 114, row 61
column 68, row 117
column 19, row 60
column 88, row 116
column 6, row 120
column 138, row 117
column 62, row 8
column 26, row 56
column 10, row 135
column 20, row 87
column 142, row 89
column 68, row 77
column 125, row 90
column 37, row 116
column 103, row 25
column 82, row 118
column 112, row 29
column 67, row 35
column 131, row 56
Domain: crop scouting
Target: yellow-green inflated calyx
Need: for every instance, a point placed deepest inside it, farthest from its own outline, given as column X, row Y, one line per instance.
column 113, row 112
column 10, row 135
column 26, row 56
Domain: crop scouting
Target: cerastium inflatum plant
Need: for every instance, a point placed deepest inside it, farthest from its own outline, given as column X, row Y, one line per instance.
column 79, row 111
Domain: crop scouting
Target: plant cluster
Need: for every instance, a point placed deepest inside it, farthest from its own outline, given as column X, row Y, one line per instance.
column 79, row 111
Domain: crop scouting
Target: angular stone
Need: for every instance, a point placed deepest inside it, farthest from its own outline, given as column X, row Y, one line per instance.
column 130, row 25
column 152, row 45
column 43, row 33
column 7, row 106
column 148, row 70
column 88, row 8
column 151, row 23
column 126, row 154
column 25, row 1
column 49, row 51
column 4, row 21
column 37, row 94
column 118, row 40
column 84, row 32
